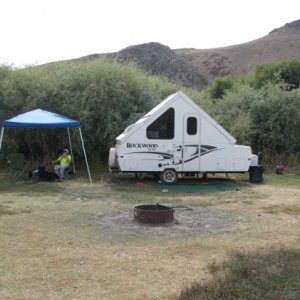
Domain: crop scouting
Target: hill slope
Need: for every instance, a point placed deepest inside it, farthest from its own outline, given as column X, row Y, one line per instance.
column 198, row 67
column 158, row 59
column 279, row 45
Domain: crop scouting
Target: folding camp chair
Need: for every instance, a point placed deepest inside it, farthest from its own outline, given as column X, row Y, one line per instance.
column 69, row 171
column 18, row 165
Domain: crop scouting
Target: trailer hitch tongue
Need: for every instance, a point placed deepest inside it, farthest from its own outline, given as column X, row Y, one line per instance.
column 177, row 206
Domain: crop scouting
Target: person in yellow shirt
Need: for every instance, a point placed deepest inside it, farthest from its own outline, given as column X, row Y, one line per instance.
column 61, row 163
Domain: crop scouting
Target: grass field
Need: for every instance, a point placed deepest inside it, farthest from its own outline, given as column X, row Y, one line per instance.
column 54, row 247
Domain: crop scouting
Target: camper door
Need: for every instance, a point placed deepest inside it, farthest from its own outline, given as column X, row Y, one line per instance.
column 191, row 143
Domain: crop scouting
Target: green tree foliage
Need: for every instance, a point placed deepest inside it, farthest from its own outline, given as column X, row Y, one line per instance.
column 219, row 87
column 233, row 112
column 275, row 121
column 104, row 96
column 261, row 110
column 286, row 73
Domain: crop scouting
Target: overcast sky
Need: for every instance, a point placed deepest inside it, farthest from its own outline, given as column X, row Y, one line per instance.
column 39, row 31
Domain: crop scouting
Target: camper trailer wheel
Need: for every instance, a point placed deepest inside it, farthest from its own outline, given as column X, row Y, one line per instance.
column 169, row 176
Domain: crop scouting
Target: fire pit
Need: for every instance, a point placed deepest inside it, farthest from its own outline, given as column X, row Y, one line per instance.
column 153, row 214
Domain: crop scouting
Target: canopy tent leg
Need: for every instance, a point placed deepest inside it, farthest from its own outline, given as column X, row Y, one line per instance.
column 87, row 165
column 70, row 143
column 1, row 137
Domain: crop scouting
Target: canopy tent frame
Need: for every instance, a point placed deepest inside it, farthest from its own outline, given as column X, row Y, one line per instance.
column 45, row 119
column 70, row 144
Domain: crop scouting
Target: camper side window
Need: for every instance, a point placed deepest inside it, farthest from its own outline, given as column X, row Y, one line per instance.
column 163, row 127
column 191, row 126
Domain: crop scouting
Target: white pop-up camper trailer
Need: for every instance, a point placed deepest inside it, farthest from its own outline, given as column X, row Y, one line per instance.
column 178, row 137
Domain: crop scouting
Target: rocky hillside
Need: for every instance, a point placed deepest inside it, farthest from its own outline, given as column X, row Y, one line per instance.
column 279, row 45
column 158, row 59
column 197, row 68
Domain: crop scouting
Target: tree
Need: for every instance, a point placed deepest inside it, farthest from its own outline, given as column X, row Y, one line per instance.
column 286, row 73
column 219, row 87
column 275, row 121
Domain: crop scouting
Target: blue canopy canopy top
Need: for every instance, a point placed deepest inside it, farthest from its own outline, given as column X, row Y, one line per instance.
column 39, row 118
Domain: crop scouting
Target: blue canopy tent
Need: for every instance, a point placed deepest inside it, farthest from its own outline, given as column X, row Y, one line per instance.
column 39, row 118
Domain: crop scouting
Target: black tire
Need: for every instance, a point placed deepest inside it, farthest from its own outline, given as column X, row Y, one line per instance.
column 169, row 176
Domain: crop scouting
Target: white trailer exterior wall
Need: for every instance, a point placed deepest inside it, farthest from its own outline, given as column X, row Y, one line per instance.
column 178, row 135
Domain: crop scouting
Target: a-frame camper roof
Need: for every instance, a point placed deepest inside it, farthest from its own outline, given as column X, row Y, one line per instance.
column 207, row 117
column 164, row 105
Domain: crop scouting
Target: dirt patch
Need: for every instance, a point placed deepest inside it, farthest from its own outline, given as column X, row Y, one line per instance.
column 287, row 209
column 81, row 198
column 185, row 222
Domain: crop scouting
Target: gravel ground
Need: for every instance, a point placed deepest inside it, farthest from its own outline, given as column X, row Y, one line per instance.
column 185, row 222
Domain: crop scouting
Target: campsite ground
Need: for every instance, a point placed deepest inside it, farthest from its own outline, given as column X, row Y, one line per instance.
column 71, row 240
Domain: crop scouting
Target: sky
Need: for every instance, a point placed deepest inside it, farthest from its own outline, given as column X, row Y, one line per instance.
column 40, row 31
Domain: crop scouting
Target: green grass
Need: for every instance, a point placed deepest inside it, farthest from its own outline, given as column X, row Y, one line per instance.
column 274, row 274
column 291, row 180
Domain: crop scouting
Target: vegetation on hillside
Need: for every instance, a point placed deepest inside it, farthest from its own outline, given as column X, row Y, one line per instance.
column 261, row 110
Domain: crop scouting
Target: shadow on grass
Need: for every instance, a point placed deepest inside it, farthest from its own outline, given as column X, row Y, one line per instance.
column 27, row 185
column 5, row 210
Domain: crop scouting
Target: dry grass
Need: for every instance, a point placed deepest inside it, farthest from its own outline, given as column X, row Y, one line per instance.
column 239, row 60
column 50, row 247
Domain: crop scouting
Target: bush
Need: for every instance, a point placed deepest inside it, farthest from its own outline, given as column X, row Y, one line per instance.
column 273, row 274
column 104, row 96
column 275, row 121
